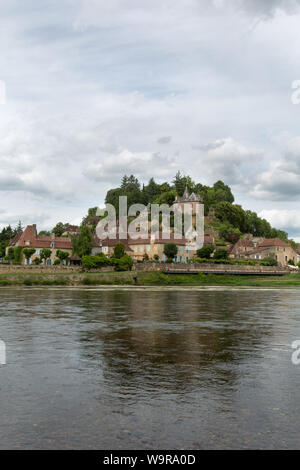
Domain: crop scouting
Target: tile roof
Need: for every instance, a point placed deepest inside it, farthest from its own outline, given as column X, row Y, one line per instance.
column 30, row 238
column 273, row 242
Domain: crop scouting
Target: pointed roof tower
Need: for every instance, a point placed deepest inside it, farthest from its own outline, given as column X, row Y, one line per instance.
column 186, row 194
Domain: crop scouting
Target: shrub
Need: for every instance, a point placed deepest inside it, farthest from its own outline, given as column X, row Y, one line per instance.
column 170, row 250
column 10, row 254
column 205, row 251
column 62, row 256
column 97, row 261
column 119, row 250
column 28, row 252
column 56, row 262
column 269, row 261
column 291, row 262
column 221, row 253
column 18, row 254
column 37, row 261
column 124, row 264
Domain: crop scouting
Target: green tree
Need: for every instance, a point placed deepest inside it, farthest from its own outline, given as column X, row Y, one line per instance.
column 59, row 229
column 45, row 254
column 222, row 192
column 119, row 250
column 124, row 264
column 221, row 253
column 19, row 228
column 10, row 254
column 181, row 182
column 231, row 213
column 205, row 251
column 28, row 252
column 150, row 191
column 270, row 261
column 170, row 250
column 229, row 233
column 62, row 255
column 44, row 233
column 82, row 243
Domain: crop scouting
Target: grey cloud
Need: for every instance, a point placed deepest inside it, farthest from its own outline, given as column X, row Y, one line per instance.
column 88, row 80
column 144, row 165
column 164, row 140
column 282, row 180
column 267, row 8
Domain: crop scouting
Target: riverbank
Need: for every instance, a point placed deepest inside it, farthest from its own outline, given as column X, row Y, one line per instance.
column 144, row 278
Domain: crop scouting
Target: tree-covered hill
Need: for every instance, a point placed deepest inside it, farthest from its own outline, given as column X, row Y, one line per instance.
column 231, row 220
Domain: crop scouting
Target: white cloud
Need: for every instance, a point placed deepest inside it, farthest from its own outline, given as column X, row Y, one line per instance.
column 226, row 158
column 282, row 180
column 144, row 165
column 284, row 219
column 98, row 89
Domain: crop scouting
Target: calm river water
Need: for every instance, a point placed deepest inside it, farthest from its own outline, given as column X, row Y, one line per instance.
column 149, row 368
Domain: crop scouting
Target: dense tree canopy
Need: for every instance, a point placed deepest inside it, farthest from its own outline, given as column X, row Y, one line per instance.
column 234, row 220
column 83, row 242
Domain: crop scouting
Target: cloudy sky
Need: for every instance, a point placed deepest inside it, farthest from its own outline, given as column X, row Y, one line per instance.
column 97, row 88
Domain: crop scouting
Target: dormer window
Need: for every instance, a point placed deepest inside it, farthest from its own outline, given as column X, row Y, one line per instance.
column 52, row 244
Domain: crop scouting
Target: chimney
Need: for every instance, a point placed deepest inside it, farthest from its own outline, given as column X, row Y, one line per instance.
column 34, row 232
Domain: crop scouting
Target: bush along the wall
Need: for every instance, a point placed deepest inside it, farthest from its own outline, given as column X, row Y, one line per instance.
column 18, row 252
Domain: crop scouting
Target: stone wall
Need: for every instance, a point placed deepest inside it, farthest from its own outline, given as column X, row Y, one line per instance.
column 141, row 267
column 205, row 267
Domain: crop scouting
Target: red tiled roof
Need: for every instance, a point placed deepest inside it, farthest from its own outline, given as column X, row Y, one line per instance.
column 273, row 242
column 225, row 247
column 243, row 243
column 35, row 241
column 15, row 239
column 72, row 228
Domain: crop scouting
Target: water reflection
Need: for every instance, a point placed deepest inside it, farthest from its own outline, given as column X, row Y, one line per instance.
column 206, row 368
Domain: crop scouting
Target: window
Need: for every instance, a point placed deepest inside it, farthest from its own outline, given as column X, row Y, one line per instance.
column 135, row 249
column 141, row 249
column 52, row 244
column 148, row 248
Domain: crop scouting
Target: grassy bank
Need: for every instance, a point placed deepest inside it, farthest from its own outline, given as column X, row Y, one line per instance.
column 147, row 278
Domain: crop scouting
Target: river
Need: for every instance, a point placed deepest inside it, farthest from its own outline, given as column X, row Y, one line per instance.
column 149, row 368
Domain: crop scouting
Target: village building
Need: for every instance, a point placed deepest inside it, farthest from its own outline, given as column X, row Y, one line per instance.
column 282, row 251
column 71, row 230
column 153, row 248
column 30, row 239
column 187, row 198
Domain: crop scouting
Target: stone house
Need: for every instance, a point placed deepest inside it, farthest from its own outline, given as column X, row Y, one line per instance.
column 152, row 247
column 30, row 239
column 268, row 247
